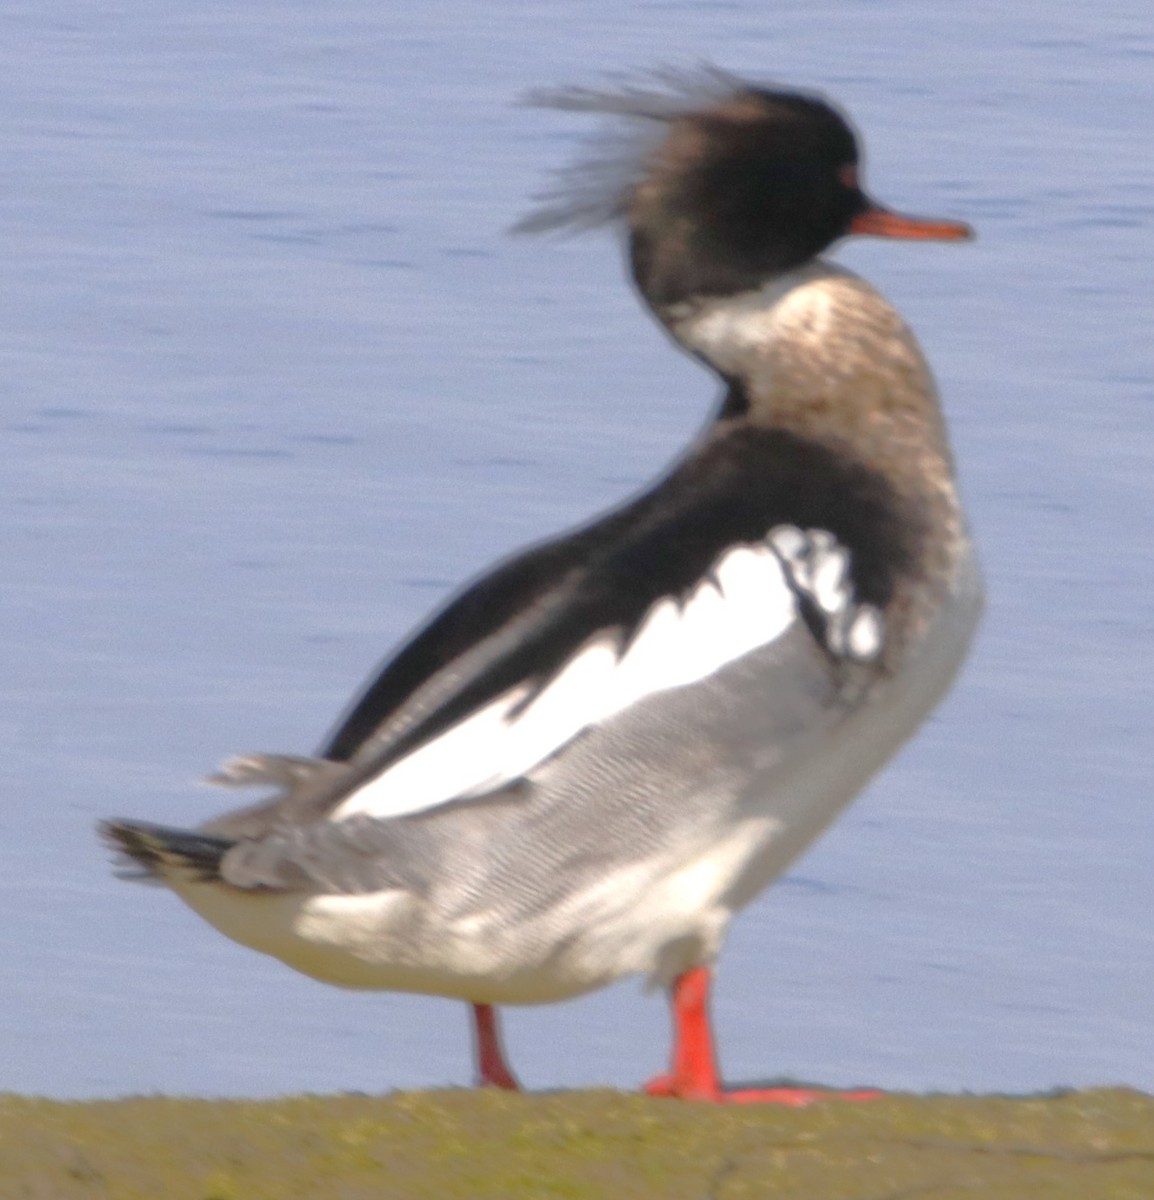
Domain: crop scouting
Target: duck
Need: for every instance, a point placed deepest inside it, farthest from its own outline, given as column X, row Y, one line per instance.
column 599, row 752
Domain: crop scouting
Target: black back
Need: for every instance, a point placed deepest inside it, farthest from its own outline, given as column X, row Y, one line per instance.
column 543, row 605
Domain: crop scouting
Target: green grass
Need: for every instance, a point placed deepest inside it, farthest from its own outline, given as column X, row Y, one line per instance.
column 598, row 1145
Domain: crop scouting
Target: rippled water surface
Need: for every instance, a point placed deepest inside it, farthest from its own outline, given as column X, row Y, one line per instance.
column 275, row 381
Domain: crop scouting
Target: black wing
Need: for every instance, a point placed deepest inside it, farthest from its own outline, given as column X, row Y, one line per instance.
column 520, row 623
column 516, row 628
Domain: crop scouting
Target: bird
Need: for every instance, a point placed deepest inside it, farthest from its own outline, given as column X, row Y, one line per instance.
column 596, row 754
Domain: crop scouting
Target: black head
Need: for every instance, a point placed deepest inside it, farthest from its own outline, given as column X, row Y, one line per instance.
column 743, row 191
column 723, row 184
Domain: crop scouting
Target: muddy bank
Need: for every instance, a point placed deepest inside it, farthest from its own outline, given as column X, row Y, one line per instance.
column 596, row 1145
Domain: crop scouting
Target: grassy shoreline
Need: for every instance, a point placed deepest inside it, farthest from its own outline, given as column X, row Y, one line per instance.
column 592, row 1145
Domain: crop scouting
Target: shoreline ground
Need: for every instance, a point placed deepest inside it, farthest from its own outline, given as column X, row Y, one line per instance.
column 589, row 1145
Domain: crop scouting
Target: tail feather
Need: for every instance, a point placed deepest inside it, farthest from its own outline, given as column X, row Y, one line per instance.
column 147, row 851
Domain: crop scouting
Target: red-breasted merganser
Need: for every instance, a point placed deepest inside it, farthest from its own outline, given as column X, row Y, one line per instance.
column 601, row 750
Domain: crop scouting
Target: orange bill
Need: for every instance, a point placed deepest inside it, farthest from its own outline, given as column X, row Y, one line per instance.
column 880, row 222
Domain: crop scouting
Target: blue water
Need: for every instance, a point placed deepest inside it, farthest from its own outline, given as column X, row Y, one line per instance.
column 275, row 382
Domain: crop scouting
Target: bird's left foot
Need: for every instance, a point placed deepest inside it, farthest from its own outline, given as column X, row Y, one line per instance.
column 797, row 1097
column 695, row 1076
column 791, row 1097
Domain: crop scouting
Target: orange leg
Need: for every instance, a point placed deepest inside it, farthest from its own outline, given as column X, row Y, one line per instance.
column 694, row 1073
column 492, row 1070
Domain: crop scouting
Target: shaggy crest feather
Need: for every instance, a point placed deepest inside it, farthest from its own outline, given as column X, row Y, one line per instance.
column 596, row 189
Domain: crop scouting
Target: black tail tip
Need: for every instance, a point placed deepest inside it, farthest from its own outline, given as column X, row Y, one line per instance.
column 161, row 850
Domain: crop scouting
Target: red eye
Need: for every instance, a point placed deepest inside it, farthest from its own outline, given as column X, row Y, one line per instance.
column 848, row 176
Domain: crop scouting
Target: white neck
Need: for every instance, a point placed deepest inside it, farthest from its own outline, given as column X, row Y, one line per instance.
column 818, row 305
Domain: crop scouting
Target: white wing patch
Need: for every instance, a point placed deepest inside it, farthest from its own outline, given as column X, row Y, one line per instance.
column 820, row 566
column 747, row 601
